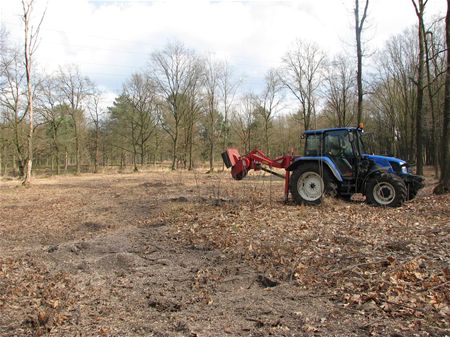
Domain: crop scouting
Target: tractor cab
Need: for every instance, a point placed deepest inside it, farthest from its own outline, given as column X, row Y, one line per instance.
column 342, row 146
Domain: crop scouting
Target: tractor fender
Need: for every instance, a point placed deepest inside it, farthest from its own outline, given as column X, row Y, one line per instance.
column 322, row 160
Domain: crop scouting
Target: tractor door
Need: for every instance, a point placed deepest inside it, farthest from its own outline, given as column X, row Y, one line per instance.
column 338, row 148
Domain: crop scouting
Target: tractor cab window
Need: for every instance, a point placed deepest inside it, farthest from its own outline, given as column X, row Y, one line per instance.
column 337, row 144
column 312, row 146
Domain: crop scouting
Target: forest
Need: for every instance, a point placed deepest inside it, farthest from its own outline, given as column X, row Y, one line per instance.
column 183, row 109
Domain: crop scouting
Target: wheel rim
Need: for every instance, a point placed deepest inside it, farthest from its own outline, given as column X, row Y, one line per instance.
column 310, row 186
column 384, row 193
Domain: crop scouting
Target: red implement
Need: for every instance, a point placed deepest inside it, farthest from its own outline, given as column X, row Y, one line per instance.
column 255, row 160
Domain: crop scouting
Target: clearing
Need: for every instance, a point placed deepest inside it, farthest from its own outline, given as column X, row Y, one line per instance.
column 164, row 253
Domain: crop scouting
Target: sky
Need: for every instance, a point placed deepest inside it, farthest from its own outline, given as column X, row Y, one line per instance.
column 109, row 39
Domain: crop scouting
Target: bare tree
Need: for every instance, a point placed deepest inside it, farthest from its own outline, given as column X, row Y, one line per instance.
column 359, row 27
column 212, row 75
column 53, row 114
column 3, row 137
column 193, row 108
column 175, row 70
column 30, row 46
column 269, row 103
column 419, row 7
column 435, row 72
column 301, row 74
column 13, row 109
column 228, row 88
column 95, row 113
column 394, row 95
column 75, row 89
column 339, row 92
column 244, row 121
column 444, row 181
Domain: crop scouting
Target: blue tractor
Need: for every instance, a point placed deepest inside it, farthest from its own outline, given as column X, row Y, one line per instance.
column 335, row 163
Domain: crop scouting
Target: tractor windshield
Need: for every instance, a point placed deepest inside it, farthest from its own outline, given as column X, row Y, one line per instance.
column 337, row 144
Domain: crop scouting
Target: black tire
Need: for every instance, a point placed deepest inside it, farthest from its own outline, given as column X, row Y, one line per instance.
column 412, row 192
column 308, row 184
column 387, row 190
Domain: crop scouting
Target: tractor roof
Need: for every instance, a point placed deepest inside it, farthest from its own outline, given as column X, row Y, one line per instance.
column 321, row 131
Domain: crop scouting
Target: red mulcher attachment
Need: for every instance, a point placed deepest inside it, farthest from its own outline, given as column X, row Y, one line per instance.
column 232, row 158
column 254, row 160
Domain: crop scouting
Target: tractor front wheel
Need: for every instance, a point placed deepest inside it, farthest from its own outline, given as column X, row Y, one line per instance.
column 388, row 190
column 308, row 183
column 412, row 191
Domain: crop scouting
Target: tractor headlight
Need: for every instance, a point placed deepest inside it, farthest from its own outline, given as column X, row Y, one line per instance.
column 405, row 169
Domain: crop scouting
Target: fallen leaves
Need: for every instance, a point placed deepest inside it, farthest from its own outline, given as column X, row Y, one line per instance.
column 351, row 269
column 42, row 297
column 382, row 262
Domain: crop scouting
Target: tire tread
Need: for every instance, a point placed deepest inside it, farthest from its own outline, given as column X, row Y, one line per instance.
column 401, row 190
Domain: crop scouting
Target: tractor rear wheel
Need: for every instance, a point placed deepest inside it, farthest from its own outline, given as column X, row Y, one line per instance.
column 388, row 190
column 308, row 183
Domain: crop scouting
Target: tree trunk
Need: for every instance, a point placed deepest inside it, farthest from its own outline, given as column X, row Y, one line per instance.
column 435, row 118
column 156, row 148
column 66, row 160
column 174, row 149
column 142, row 153
column 420, row 9
column 57, row 163
column 359, row 26
column 135, row 168
column 14, row 164
column 97, row 152
column 412, row 142
column 444, row 182
column 5, row 163
column 211, row 156
column 419, row 113
column 191, row 150
column 122, row 161
column 29, row 45
column 29, row 160
column 56, row 150
column 77, row 144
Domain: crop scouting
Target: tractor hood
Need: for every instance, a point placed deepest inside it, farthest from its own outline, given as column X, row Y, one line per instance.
column 390, row 164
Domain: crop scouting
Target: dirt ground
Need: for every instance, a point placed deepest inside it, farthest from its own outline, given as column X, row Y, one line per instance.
column 162, row 253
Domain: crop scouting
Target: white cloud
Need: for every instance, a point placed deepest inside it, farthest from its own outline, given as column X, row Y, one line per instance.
column 111, row 39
